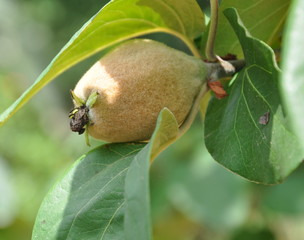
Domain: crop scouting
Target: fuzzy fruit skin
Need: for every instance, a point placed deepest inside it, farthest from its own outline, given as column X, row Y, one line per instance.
column 135, row 82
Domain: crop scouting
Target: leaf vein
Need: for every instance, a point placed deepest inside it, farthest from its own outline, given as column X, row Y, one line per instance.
column 236, row 133
column 257, row 91
column 178, row 18
column 250, row 7
column 100, row 172
column 75, row 217
column 110, row 221
column 88, row 34
column 258, row 66
column 268, row 16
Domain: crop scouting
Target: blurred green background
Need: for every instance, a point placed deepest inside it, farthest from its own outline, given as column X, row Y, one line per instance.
column 193, row 197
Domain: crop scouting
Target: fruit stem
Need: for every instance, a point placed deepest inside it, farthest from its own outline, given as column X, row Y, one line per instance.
column 87, row 137
column 194, row 110
column 216, row 71
column 209, row 51
column 224, row 69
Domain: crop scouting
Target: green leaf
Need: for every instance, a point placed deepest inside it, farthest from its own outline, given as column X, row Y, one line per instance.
column 106, row 190
column 237, row 132
column 263, row 19
column 117, row 21
column 182, row 16
column 292, row 78
column 137, row 215
column 88, row 202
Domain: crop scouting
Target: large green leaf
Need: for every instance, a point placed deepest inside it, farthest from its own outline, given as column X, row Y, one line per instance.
column 182, row 16
column 105, row 195
column 237, row 131
column 292, row 80
column 264, row 20
column 89, row 201
column 117, row 21
column 137, row 213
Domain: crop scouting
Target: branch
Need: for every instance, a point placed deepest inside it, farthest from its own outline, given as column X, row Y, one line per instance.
column 224, row 69
column 209, row 51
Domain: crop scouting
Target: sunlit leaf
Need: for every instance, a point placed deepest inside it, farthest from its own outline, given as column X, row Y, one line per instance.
column 264, row 152
column 263, row 19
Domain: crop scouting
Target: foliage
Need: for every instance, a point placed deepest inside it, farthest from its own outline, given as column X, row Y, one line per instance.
column 105, row 194
column 262, row 152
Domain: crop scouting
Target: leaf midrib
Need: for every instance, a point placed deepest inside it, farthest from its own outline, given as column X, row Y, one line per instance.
column 178, row 18
column 85, row 205
column 109, row 223
column 88, row 34
column 123, row 158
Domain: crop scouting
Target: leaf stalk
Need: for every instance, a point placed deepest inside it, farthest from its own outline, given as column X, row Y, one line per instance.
column 209, row 51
